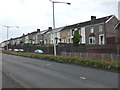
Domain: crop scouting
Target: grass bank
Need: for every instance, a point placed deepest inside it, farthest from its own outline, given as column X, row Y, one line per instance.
column 101, row 64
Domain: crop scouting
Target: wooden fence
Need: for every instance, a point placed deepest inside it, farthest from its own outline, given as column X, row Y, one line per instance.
column 94, row 56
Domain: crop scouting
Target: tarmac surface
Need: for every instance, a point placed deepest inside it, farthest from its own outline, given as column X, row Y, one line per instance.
column 34, row 73
column 8, row 82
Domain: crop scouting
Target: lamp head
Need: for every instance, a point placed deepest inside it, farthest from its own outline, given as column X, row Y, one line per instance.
column 68, row 3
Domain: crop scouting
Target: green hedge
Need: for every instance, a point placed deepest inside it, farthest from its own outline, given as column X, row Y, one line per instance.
column 109, row 65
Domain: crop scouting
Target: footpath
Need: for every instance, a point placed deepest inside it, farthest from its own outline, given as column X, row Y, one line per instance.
column 8, row 82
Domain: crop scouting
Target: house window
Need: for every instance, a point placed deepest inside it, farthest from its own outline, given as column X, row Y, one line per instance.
column 92, row 40
column 72, row 32
column 100, row 28
column 79, row 31
column 101, row 39
column 68, row 33
column 75, row 29
column 80, row 40
column 68, row 40
column 92, row 30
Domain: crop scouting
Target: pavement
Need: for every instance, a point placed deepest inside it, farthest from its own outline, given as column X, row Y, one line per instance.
column 34, row 73
column 8, row 82
column 5, row 80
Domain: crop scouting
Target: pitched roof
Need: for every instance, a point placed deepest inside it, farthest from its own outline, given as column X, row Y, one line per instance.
column 117, row 26
column 57, row 29
column 90, row 22
column 54, row 30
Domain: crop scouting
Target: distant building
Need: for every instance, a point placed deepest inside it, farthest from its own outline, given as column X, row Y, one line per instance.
column 119, row 10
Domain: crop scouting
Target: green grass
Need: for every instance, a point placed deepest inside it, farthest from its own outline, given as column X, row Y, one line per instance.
column 102, row 64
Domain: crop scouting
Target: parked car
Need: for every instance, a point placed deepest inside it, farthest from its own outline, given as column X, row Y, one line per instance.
column 38, row 51
column 10, row 49
column 16, row 50
column 21, row 50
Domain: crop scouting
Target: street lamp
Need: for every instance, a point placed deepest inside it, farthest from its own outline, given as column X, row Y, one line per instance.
column 53, row 2
column 7, row 31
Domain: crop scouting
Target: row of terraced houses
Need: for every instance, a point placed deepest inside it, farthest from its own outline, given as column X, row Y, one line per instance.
column 97, row 31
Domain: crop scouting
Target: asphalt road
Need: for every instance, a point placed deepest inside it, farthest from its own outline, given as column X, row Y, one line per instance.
column 34, row 73
column 8, row 82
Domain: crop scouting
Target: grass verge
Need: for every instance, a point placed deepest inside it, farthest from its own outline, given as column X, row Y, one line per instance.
column 101, row 64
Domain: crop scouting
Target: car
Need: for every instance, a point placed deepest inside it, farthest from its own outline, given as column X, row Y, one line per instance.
column 10, row 49
column 16, row 50
column 39, row 51
column 21, row 50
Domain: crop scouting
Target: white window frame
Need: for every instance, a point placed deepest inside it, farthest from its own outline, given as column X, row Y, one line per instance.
column 73, row 32
column 80, row 40
column 93, row 40
column 79, row 31
column 91, row 29
column 100, row 42
column 83, row 35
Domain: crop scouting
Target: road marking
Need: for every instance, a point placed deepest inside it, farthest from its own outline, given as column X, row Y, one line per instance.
column 82, row 78
column 48, row 64
column 9, row 73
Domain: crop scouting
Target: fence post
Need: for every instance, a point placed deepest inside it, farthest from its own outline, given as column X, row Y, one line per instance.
column 111, row 57
column 80, row 55
column 87, row 55
column 102, row 56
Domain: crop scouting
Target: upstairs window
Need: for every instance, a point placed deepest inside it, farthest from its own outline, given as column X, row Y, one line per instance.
column 79, row 29
column 72, row 32
column 100, row 28
column 68, row 33
column 91, row 30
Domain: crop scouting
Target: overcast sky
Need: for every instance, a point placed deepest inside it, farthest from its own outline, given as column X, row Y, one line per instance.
column 32, row 14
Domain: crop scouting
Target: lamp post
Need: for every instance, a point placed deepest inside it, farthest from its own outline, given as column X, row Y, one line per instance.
column 8, row 31
column 53, row 2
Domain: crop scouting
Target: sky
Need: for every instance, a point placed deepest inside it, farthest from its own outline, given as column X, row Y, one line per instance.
column 30, row 15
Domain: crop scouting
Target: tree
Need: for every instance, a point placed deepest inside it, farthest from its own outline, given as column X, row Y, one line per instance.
column 76, row 38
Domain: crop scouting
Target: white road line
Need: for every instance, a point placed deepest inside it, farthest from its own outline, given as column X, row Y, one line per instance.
column 82, row 77
column 48, row 64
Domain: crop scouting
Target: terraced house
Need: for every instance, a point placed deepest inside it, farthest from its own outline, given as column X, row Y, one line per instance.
column 97, row 31
column 117, row 27
column 40, row 37
column 30, row 38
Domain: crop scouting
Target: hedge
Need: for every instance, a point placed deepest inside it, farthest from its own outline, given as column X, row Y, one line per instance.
column 102, row 64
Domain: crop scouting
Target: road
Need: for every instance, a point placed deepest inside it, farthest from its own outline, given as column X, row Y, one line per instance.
column 8, row 82
column 34, row 73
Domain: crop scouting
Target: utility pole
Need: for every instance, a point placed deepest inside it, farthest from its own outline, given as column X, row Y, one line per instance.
column 53, row 2
column 8, row 32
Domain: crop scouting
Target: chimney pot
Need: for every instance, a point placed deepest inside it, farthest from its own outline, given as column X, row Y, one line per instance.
column 93, row 18
column 38, row 30
column 49, row 28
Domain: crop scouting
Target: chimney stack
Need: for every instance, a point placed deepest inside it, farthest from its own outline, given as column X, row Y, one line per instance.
column 93, row 18
column 38, row 30
column 49, row 28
